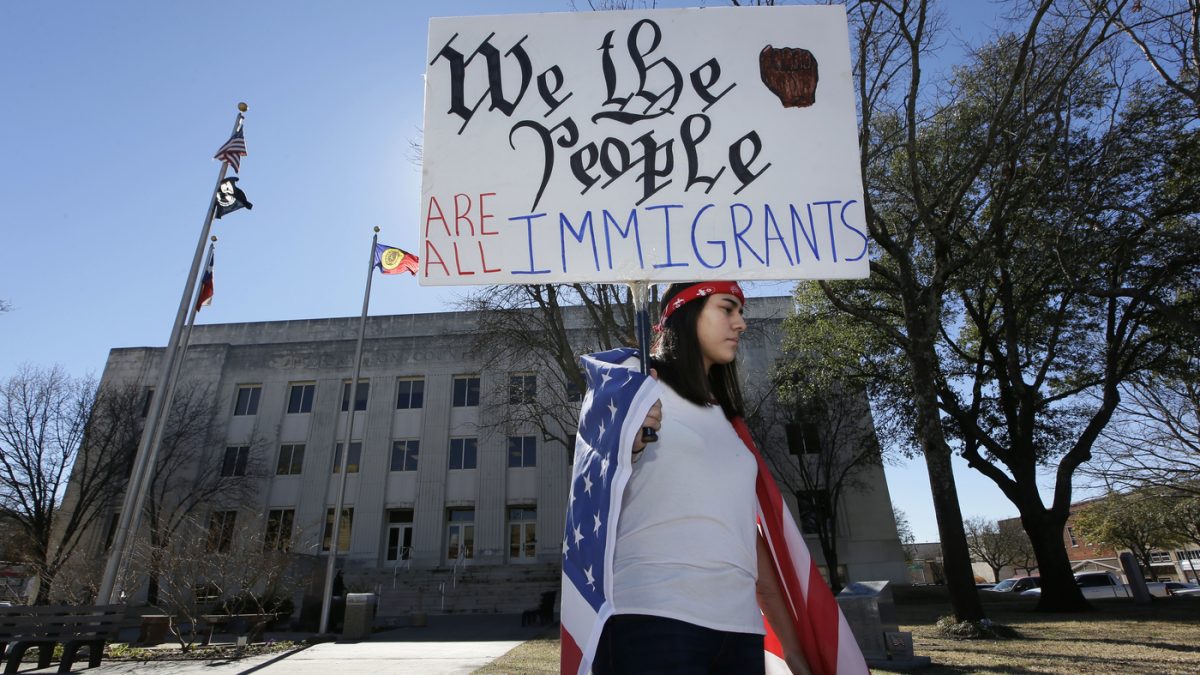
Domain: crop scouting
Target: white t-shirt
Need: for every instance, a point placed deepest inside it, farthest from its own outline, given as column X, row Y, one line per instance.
column 686, row 540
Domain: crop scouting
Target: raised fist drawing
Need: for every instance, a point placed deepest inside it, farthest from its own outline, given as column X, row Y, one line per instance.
column 790, row 73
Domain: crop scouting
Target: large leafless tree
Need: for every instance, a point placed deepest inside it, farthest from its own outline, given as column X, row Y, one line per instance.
column 1154, row 440
column 543, row 329
column 50, row 422
column 819, row 446
column 1167, row 34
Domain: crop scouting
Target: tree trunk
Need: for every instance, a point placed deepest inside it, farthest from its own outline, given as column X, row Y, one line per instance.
column 995, row 574
column 956, row 557
column 831, row 564
column 45, row 583
column 1060, row 593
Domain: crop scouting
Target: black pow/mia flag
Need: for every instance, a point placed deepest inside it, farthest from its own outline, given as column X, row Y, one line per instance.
column 230, row 197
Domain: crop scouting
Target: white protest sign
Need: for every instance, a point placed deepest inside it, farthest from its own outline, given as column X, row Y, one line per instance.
column 654, row 145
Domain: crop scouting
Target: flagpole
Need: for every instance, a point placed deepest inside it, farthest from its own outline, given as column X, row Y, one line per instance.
column 176, row 368
column 351, row 398
column 135, row 494
column 186, row 340
column 641, row 298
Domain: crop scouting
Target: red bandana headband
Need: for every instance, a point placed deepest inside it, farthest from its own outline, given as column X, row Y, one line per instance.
column 699, row 291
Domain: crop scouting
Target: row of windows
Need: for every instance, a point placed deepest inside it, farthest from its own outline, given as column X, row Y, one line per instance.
column 410, row 394
column 460, row 532
column 464, row 454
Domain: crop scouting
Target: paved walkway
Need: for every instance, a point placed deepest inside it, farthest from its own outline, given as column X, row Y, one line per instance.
column 449, row 645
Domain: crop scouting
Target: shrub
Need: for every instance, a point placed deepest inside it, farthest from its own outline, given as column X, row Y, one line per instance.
column 985, row 629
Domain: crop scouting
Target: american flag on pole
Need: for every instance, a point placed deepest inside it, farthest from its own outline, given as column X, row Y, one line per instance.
column 617, row 401
column 235, row 148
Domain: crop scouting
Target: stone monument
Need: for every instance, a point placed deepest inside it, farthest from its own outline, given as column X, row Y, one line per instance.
column 871, row 613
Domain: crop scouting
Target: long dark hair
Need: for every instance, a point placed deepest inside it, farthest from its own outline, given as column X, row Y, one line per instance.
column 680, row 363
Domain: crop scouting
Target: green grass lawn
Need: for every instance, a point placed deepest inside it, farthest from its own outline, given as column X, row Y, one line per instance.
column 1119, row 637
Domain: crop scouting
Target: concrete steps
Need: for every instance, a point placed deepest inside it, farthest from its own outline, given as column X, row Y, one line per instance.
column 483, row 589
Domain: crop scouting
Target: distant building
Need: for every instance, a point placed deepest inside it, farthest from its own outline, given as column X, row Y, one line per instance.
column 436, row 476
column 925, row 565
column 18, row 583
column 1086, row 556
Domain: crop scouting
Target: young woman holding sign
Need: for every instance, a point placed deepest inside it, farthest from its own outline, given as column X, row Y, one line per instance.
column 690, row 570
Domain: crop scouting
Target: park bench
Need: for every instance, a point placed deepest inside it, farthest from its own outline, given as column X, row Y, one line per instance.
column 250, row 625
column 22, row 628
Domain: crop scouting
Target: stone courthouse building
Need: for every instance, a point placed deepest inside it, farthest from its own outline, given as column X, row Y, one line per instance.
column 436, row 475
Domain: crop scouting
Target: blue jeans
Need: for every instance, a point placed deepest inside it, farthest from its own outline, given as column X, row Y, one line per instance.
column 633, row 644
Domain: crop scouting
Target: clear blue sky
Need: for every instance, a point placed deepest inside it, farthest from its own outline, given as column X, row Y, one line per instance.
column 110, row 116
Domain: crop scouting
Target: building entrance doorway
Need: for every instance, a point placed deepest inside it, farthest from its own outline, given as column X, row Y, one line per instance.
column 399, row 535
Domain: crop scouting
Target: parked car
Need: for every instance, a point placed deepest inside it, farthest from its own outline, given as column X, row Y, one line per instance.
column 1181, row 588
column 1096, row 585
column 984, row 587
column 1016, row 585
column 1101, row 585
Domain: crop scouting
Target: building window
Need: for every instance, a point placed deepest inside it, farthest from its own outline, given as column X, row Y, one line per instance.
column 404, row 455
column 466, row 391
column 460, row 534
column 571, row 438
column 574, row 393
column 206, row 593
column 347, row 525
column 291, row 459
column 247, row 400
column 147, row 399
column 522, row 533
column 300, row 398
column 813, row 506
column 351, row 461
column 400, row 534
column 522, row 452
column 522, row 388
column 1160, row 558
column 111, row 533
column 360, row 397
column 1071, row 536
column 410, row 394
column 279, row 529
column 220, row 531
column 462, row 453
column 236, row 457
column 803, row 439
column 843, row 573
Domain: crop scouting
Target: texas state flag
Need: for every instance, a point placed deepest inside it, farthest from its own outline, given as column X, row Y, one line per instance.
column 206, row 283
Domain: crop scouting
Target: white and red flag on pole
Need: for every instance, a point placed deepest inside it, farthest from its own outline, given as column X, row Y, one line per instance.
column 618, row 399
column 206, row 282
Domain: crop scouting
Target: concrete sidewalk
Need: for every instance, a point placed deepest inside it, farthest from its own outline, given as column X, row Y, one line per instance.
column 449, row 645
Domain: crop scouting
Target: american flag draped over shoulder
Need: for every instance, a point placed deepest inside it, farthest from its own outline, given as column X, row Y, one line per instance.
column 825, row 637
column 617, row 401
